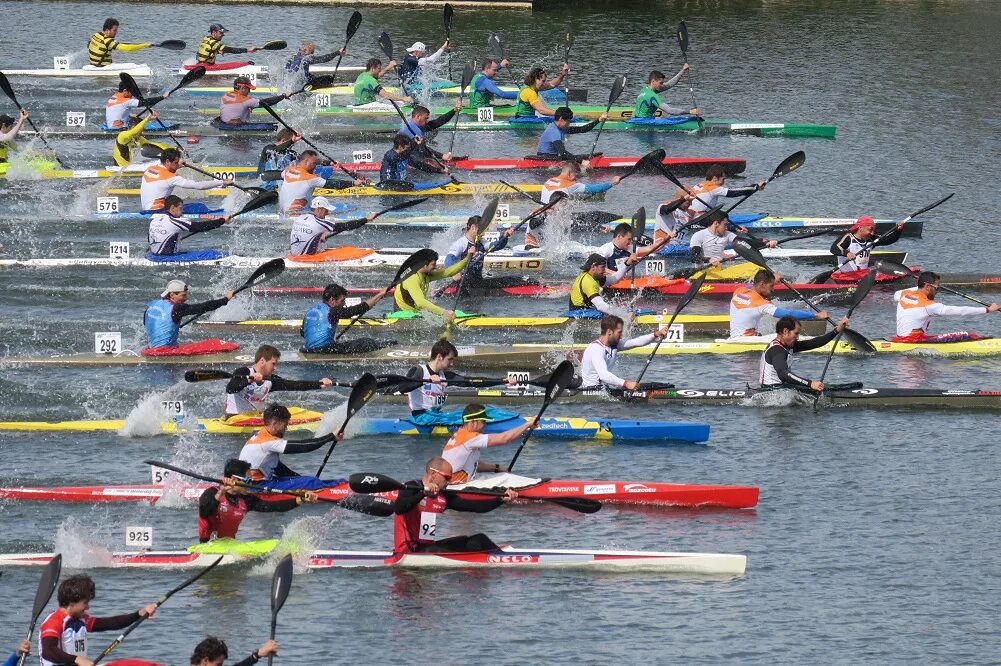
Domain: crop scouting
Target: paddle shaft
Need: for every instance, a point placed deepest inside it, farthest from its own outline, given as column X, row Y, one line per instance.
column 353, row 24
column 865, row 285
column 683, row 44
column 274, row 114
column 613, row 95
column 413, row 131
column 10, row 94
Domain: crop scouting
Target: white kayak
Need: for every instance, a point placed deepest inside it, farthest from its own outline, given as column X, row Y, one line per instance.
column 142, row 70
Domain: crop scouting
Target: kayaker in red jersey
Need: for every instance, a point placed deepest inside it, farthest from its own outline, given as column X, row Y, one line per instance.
column 62, row 639
column 213, row 652
column 222, row 508
column 417, row 508
column 462, row 451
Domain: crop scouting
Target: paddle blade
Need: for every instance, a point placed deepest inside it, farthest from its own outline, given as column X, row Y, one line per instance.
column 410, row 203
column 683, row 38
column 568, row 40
column 859, row 341
column 618, row 85
column 447, row 15
column 708, row 217
column 281, row 583
column 693, row 289
column 131, row 85
column 274, row 45
column 206, row 375
column 7, row 90
column 496, row 46
column 268, row 271
column 863, row 289
column 651, row 160
column 487, row 216
column 467, row 76
column 578, row 504
column 172, row 45
column 413, row 263
column 893, row 268
column 369, row 505
column 263, row 199
column 150, row 150
column 46, row 586
column 317, row 82
column 789, row 164
column 746, row 251
column 559, row 381
column 353, row 24
column 370, row 482
column 191, row 77
column 639, row 223
column 386, row 44
column 363, row 391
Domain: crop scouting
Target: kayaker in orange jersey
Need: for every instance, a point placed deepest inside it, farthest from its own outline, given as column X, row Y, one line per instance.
column 750, row 303
column 120, row 104
column 916, row 307
column 159, row 181
column 222, row 508
column 773, row 369
column 853, row 249
column 236, row 105
column 299, row 181
column 568, row 183
column 213, row 652
column 671, row 216
column 419, row 504
column 102, row 43
column 63, row 635
column 462, row 451
column 710, row 193
column 529, row 104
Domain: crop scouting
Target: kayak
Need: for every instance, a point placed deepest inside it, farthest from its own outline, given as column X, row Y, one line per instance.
column 618, row 492
column 764, row 224
column 708, row 564
column 116, row 172
column 438, row 87
column 137, row 70
column 580, row 111
column 302, row 419
column 438, row 188
column 678, row 287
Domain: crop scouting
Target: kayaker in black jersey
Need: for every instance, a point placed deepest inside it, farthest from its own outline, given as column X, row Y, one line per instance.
column 774, row 369
column 213, row 652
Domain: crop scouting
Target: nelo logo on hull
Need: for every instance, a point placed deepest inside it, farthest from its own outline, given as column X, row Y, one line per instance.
column 511, row 558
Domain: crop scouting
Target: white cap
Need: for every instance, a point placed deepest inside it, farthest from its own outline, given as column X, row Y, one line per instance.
column 418, row 46
column 174, row 286
column 320, row 202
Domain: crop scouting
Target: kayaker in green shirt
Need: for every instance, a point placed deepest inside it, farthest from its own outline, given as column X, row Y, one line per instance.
column 483, row 89
column 368, row 88
column 648, row 102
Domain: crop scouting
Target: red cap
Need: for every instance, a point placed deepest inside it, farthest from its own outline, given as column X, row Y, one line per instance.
column 864, row 221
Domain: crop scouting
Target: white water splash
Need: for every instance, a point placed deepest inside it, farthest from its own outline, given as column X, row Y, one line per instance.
column 145, row 418
column 74, row 541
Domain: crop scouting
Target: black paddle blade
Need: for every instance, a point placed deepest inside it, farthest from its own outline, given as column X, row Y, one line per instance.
column 191, row 77
column 274, row 45
column 568, row 40
column 639, row 223
column 496, row 46
column 410, row 203
column 386, row 44
column 789, row 164
column 317, row 82
column 683, row 38
column 859, row 341
column 893, row 268
column 649, row 161
column 363, row 391
column 467, row 76
column 708, row 217
column 131, row 85
column 206, row 375
column 578, row 504
column 150, row 150
column 693, row 289
column 353, row 24
column 559, row 381
column 46, row 586
column 370, row 482
column 369, row 505
column 447, row 15
column 263, row 199
column 172, row 45
column 415, row 261
column 863, row 289
column 7, row 90
column 267, row 271
column 746, row 251
column 618, row 85
column 281, row 583
column 487, row 216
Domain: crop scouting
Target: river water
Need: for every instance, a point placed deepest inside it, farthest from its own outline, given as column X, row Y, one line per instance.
column 876, row 535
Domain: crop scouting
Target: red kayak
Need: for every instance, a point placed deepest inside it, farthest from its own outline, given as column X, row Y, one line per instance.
column 686, row 166
column 623, row 492
column 219, row 66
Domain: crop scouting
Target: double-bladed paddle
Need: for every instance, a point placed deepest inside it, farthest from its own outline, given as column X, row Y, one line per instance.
column 386, row 44
column 448, row 14
column 553, row 200
column 467, row 77
column 130, row 84
column 9, row 91
column 683, row 45
column 486, row 219
column 414, row 262
column 213, row 375
column 46, row 586
column 372, row 482
column 274, row 114
column 693, row 289
column 618, row 85
column 281, row 583
column 135, row 625
column 353, row 23
column 559, row 381
column 154, row 151
column 267, row 271
column 648, row 161
column 363, row 391
column 496, row 44
column 567, row 45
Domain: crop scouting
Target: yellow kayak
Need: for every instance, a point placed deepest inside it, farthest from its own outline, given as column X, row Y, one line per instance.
column 302, row 419
column 460, row 189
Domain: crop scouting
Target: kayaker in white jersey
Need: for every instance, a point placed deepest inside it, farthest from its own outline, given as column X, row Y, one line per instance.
column 568, row 183
column 710, row 193
column 750, row 303
column 312, row 229
column 708, row 245
column 264, row 448
column 916, row 307
column 249, row 388
column 853, row 249
column 599, row 356
column 622, row 248
column 168, row 229
column 9, row 129
column 159, row 181
column 773, row 369
column 213, row 652
column 462, row 451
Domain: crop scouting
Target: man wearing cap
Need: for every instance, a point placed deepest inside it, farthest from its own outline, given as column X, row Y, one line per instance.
column 211, row 46
column 585, row 292
column 299, row 181
column 367, row 88
column 311, row 230
column 9, row 129
column 167, row 229
column 159, row 181
column 462, row 451
column 853, row 249
column 163, row 315
column 319, row 326
column 707, row 245
column 102, row 43
column 599, row 356
column 410, row 69
column 551, row 143
column 236, row 105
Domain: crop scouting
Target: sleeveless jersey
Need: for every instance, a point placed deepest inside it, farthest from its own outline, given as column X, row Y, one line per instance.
column 226, row 521
column 208, row 49
column 116, row 109
column 261, row 451
column 477, row 97
column 99, row 49
column 428, row 395
column 462, row 452
column 767, row 375
column 647, row 104
column 316, row 328
column 523, row 108
column 583, row 291
column 161, row 330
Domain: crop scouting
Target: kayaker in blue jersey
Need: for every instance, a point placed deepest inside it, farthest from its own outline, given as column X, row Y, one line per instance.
column 420, row 125
column 649, row 104
column 551, row 143
column 278, row 156
column 417, row 57
column 393, row 172
column 319, row 326
column 162, row 319
column 483, row 90
column 23, row 649
column 474, row 280
column 306, row 56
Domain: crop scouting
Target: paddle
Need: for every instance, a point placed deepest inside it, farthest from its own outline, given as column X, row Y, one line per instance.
column 9, row 91
column 907, row 219
column 561, row 378
column 309, row 143
column 518, row 190
column 486, row 219
column 265, row 272
column 693, row 289
column 274, row 45
column 639, row 229
column 211, row 375
column 683, row 45
column 751, row 254
column 651, row 159
column 172, row 45
column 497, row 49
column 864, row 286
column 135, row 625
column 281, row 583
column 617, row 87
column 568, row 41
column 787, row 166
column 372, row 482
column 447, row 15
column 363, row 391
column 386, row 44
column 353, row 23
column 417, row 260
column 467, row 77
column 46, row 586
column 553, row 200
column 134, row 90
column 893, row 268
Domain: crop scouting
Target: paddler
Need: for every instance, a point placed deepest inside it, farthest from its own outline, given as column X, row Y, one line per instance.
column 551, row 142
column 418, row 505
column 916, row 307
column 708, row 245
column 710, row 193
column 319, row 326
column 483, row 90
column 750, row 303
column 585, row 292
column 411, row 294
column 853, row 249
column 671, row 217
column 102, row 43
column 299, row 181
column 64, row 633
column 278, row 156
column 236, row 105
column 9, row 129
column 131, row 138
column 529, row 104
column 568, row 183
column 367, row 88
column 166, row 230
column 417, row 57
column 462, row 451
column 393, row 171
column 472, row 278
column 648, row 103
column 600, row 356
column 159, row 181
column 306, row 56
column 262, row 451
column 162, row 319
column 622, row 248
column 311, row 229
column 211, row 46
column 222, row 508
column 118, row 106
column 420, row 124
column 774, row 366
column 24, row 649
column 249, row 387
column 213, row 652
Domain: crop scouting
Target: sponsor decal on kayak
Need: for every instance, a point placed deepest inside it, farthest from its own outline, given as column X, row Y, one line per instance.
column 564, row 489
column 988, row 393
column 714, row 393
column 637, row 488
column 511, row 558
column 554, row 425
column 599, row 489
column 959, row 393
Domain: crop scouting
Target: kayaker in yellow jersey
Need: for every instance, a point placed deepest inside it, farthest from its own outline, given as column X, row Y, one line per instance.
column 648, row 103
column 529, row 103
column 567, row 183
column 412, row 293
column 750, row 303
column 103, row 43
column 9, row 129
column 212, row 45
column 367, row 87
column 132, row 138
column 585, row 292
column 462, row 451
